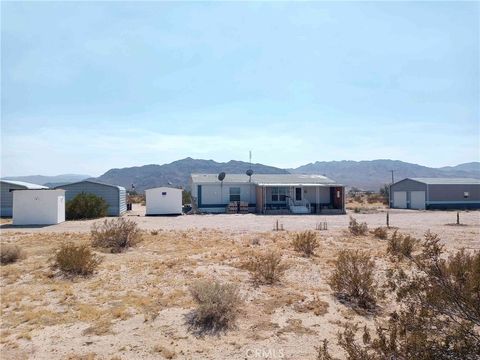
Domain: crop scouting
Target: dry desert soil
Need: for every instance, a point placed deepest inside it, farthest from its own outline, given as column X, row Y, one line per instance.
column 135, row 305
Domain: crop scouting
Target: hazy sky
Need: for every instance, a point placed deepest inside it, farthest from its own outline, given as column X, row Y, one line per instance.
column 91, row 86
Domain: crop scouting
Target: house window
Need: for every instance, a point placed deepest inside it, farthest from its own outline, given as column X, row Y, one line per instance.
column 234, row 194
column 466, row 194
column 279, row 194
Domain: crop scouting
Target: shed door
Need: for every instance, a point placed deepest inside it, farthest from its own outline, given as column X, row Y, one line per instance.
column 417, row 200
column 400, row 199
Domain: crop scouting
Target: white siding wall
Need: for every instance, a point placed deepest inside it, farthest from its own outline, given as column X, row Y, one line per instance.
column 38, row 207
column 323, row 193
column 217, row 194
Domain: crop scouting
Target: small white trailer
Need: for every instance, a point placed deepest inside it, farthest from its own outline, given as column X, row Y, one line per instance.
column 38, row 207
column 163, row 201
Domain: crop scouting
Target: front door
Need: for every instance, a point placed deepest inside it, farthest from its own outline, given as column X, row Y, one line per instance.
column 298, row 194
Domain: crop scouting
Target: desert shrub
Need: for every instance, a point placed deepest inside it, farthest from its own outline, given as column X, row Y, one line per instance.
column 358, row 199
column 353, row 280
column 9, row 253
column 401, row 245
column 74, row 259
column 85, row 206
column 357, row 228
column 381, row 233
column 438, row 316
column 266, row 268
column 217, row 308
column 374, row 198
column 306, row 243
column 116, row 234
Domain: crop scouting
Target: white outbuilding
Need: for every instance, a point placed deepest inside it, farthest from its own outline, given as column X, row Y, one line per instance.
column 163, row 201
column 38, row 207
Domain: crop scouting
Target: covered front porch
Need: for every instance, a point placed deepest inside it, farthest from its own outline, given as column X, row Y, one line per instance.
column 300, row 199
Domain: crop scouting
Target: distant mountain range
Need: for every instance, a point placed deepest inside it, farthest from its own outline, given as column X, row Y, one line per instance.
column 371, row 175
column 178, row 172
column 367, row 175
column 49, row 181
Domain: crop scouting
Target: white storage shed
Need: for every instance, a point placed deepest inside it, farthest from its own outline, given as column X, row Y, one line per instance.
column 163, row 201
column 38, row 207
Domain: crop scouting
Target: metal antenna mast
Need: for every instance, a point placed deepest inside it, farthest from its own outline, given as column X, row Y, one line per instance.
column 393, row 180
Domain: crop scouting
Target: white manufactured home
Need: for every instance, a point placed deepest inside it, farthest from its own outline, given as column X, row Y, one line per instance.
column 268, row 193
column 163, row 201
column 38, row 207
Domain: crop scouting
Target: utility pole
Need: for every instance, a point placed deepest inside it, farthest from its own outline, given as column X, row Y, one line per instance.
column 393, row 180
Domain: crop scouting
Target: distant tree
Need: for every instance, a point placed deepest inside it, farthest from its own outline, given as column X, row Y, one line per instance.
column 186, row 197
column 385, row 192
column 85, row 206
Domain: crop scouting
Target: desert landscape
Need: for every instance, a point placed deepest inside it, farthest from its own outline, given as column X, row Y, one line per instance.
column 136, row 304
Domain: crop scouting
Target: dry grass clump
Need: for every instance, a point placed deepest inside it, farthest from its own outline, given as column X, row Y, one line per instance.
column 306, row 243
column 317, row 306
column 74, row 259
column 116, row 235
column 353, row 279
column 401, row 245
column 266, row 268
column 357, row 228
column 9, row 253
column 217, row 308
column 380, row 233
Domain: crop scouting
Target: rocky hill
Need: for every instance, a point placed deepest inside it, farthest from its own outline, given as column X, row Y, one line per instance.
column 371, row 175
column 178, row 172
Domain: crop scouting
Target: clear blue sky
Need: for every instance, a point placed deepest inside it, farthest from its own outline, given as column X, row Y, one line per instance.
column 91, row 86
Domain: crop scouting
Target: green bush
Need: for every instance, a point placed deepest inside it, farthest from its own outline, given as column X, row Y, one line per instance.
column 74, row 259
column 85, row 206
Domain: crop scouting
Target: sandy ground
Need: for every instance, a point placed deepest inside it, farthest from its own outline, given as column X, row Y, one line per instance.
column 412, row 221
column 134, row 306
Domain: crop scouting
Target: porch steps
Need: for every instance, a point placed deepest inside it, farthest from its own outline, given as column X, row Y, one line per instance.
column 299, row 209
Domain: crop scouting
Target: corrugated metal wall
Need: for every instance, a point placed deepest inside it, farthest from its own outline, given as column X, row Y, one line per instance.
column 122, row 200
column 408, row 185
column 453, row 192
column 115, row 197
column 6, row 198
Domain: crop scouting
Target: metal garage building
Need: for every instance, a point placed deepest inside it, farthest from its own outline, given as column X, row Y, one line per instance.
column 115, row 196
column 6, row 194
column 435, row 193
